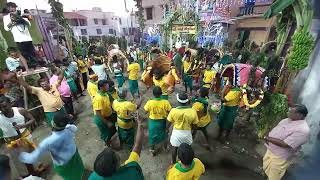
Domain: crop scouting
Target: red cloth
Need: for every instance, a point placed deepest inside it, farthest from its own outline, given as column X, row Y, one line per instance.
column 181, row 50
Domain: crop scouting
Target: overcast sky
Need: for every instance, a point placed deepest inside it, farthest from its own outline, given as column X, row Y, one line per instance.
column 69, row 5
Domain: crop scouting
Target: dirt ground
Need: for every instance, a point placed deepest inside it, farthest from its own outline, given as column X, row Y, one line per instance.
column 241, row 159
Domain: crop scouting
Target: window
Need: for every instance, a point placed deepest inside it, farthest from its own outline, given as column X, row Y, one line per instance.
column 99, row 31
column 115, row 18
column 95, row 21
column 110, row 31
column 124, row 31
column 84, row 32
column 83, row 22
column 149, row 13
column 104, row 22
column 120, row 21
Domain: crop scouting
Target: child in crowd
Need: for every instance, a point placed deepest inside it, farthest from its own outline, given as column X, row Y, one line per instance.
column 15, row 61
column 208, row 77
column 92, row 86
column 133, row 70
column 200, row 104
column 188, row 168
column 83, row 68
column 125, row 122
column 158, row 110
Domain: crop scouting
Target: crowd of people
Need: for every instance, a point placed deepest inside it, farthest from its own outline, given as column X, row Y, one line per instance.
column 114, row 111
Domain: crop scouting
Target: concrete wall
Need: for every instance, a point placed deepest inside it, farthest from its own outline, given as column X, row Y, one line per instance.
column 157, row 11
column 258, row 37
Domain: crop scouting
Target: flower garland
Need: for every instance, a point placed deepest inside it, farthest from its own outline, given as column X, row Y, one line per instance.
column 245, row 98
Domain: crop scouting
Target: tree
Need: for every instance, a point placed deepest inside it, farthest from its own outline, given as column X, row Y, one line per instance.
column 139, row 13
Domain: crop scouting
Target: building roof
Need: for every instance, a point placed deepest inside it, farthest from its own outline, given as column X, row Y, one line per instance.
column 73, row 15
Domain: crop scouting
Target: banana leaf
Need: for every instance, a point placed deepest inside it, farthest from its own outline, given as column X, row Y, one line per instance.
column 277, row 7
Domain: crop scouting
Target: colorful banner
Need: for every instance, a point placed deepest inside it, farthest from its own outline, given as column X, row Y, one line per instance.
column 183, row 29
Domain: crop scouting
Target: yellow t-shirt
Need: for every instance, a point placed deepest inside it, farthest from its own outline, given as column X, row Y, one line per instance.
column 233, row 97
column 186, row 66
column 208, row 77
column 158, row 108
column 162, row 84
column 183, row 117
column 82, row 66
column 92, row 88
column 50, row 100
column 101, row 102
column 204, row 118
column 133, row 70
column 134, row 157
column 174, row 74
column 177, row 172
column 122, row 108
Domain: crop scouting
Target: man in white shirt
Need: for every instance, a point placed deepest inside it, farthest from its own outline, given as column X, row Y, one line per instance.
column 18, row 26
column 15, row 60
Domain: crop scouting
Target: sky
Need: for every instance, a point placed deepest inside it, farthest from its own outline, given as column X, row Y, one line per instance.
column 116, row 6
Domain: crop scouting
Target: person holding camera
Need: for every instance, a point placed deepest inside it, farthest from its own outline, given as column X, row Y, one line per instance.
column 18, row 24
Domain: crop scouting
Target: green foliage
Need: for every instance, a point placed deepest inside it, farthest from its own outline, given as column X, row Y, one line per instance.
column 273, row 108
column 301, row 49
column 139, row 13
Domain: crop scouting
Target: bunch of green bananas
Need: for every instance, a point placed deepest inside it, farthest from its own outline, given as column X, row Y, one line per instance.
column 301, row 49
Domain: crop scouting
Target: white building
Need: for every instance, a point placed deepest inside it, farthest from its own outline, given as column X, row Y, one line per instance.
column 95, row 23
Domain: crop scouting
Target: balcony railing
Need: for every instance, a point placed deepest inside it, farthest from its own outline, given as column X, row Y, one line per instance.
column 250, row 10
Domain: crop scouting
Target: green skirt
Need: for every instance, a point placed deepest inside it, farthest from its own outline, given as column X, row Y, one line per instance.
column 126, row 136
column 133, row 86
column 120, row 81
column 188, row 80
column 73, row 170
column 157, row 131
column 106, row 133
column 50, row 115
column 73, row 86
column 227, row 116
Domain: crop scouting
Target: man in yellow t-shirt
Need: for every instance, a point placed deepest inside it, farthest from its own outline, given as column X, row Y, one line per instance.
column 208, row 77
column 83, row 68
column 201, row 104
column 188, row 168
column 182, row 118
column 125, row 121
column 133, row 70
column 158, row 80
column 231, row 97
column 92, row 86
column 107, row 163
column 187, row 77
column 158, row 110
column 102, row 112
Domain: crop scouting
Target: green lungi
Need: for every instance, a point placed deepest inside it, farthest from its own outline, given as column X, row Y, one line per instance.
column 126, row 136
column 120, row 79
column 50, row 115
column 157, row 131
column 140, row 61
column 188, row 80
column 227, row 116
column 73, row 170
column 133, row 86
column 166, row 97
column 72, row 85
column 106, row 133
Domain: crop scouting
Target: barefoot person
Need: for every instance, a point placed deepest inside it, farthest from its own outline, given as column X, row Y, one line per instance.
column 158, row 110
column 107, row 164
column 133, row 70
column 67, row 162
column 13, row 124
column 103, row 112
column 187, row 77
column 48, row 95
column 125, row 121
column 92, row 86
column 230, row 96
column 182, row 118
column 201, row 106
column 188, row 167
column 284, row 141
